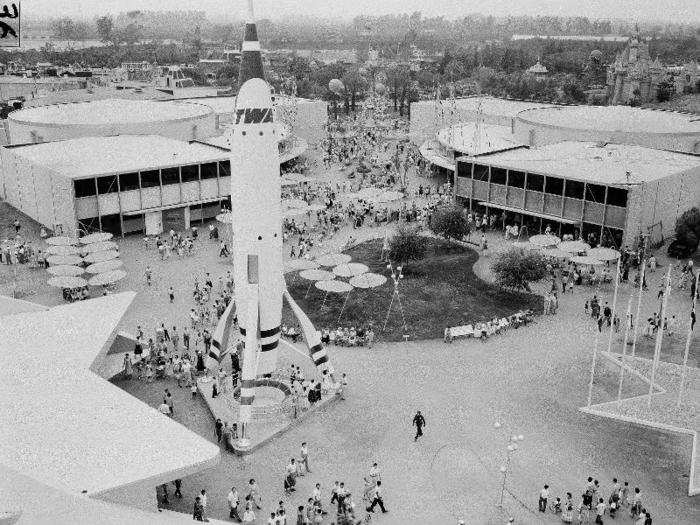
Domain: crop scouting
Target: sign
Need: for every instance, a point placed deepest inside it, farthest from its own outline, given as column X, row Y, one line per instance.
column 254, row 115
column 10, row 24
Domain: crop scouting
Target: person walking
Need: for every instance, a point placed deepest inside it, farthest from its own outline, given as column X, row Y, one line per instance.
column 305, row 458
column 198, row 510
column 544, row 496
column 233, row 502
column 171, row 294
column 419, row 423
column 377, row 499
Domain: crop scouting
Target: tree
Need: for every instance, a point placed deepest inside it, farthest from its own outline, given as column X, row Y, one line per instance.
column 67, row 29
column 688, row 229
column 105, row 29
column 449, row 222
column 665, row 91
column 407, row 245
column 516, row 268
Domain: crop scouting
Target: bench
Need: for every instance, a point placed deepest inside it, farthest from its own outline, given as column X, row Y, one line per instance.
column 452, row 333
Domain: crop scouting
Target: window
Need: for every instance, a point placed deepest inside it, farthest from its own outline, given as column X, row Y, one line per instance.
column 208, row 171
column 498, row 176
column 150, row 179
column 554, row 186
column 481, row 172
column 595, row 193
column 84, row 188
column 574, row 189
column 224, row 168
column 464, row 169
column 535, row 182
column 107, row 184
column 170, row 176
column 190, row 173
column 516, row 179
column 128, row 181
column 617, row 197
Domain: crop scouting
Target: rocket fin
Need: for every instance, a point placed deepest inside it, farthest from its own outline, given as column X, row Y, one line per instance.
column 313, row 340
column 250, row 357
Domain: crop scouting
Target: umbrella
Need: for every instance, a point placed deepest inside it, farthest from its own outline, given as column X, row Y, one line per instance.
column 96, row 237
column 294, row 203
column 604, row 254
column 333, row 259
column 62, row 249
column 586, row 260
column 287, row 182
column 57, row 260
column 65, row 270
column 67, row 282
column 101, row 256
column 333, row 286
column 104, row 266
column 544, row 240
column 107, row 277
column 556, row 253
column 316, row 275
column 100, row 247
column 226, row 218
column 574, row 246
column 61, row 241
column 350, row 269
column 368, row 280
column 296, row 265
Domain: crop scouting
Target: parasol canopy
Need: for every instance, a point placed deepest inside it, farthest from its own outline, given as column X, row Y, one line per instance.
column 522, row 245
column 333, row 259
column 104, row 266
column 544, row 240
column 604, row 254
column 350, row 269
column 316, row 275
column 287, row 182
column 294, row 203
column 107, row 277
column 295, row 265
column 61, row 240
column 389, row 196
column 368, row 280
column 64, row 281
column 297, row 178
column 101, row 256
column 574, row 246
column 58, row 260
column 96, row 237
column 586, row 260
column 65, row 270
column 100, row 247
column 62, row 249
column 556, row 253
column 294, row 212
column 333, row 286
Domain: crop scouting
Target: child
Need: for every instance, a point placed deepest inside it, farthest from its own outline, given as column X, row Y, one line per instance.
column 556, row 506
column 193, row 389
column 248, row 515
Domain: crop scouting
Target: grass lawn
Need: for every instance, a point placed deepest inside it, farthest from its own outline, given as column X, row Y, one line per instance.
column 439, row 291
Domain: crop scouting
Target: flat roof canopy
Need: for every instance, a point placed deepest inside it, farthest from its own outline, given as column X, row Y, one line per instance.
column 527, row 212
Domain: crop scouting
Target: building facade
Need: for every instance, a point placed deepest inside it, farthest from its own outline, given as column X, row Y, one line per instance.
column 634, row 77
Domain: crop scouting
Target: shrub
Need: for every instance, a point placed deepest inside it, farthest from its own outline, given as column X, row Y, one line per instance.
column 516, row 268
column 449, row 222
column 688, row 229
column 407, row 245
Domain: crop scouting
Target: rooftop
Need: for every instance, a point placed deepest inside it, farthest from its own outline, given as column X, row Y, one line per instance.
column 589, row 162
column 470, row 139
column 64, row 425
column 492, row 106
column 613, row 118
column 94, row 156
column 108, row 111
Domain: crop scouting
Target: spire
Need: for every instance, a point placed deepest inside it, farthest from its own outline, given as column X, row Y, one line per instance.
column 251, row 57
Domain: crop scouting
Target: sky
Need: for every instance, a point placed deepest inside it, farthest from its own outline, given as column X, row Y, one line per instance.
column 642, row 10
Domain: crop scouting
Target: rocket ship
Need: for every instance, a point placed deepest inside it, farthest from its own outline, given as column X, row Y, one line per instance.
column 257, row 227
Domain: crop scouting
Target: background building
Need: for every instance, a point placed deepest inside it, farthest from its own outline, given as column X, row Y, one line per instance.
column 634, row 76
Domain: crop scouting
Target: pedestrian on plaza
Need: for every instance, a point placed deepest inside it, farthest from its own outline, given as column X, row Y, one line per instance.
column 419, row 423
column 305, row 457
column 600, row 511
column 198, row 510
column 334, row 492
column 164, row 409
column 175, row 339
column 254, row 493
column 186, row 339
column 219, row 429
column 233, row 502
column 544, row 496
column 178, row 487
column 148, row 274
column 128, row 366
column 171, row 294
column 377, row 499
column 169, row 401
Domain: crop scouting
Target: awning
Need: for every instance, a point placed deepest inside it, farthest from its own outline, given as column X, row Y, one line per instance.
column 528, row 212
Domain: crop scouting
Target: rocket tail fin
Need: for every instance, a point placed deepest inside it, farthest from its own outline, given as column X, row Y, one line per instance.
column 313, row 340
column 222, row 333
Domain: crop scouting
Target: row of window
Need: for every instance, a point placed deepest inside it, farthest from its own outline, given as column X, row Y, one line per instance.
column 150, row 178
column 552, row 185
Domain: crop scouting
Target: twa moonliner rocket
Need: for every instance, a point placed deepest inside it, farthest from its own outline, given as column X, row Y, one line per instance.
column 257, row 226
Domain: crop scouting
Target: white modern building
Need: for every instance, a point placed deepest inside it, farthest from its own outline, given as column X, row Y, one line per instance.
column 76, row 449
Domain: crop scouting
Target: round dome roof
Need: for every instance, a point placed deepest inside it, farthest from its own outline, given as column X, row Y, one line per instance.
column 109, row 111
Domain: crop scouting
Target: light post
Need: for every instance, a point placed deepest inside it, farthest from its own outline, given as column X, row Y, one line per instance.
column 510, row 449
column 396, row 276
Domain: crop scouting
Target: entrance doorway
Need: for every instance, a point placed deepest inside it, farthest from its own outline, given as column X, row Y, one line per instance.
column 174, row 219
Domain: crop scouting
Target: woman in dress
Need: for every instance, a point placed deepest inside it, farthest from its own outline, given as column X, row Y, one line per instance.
column 128, row 366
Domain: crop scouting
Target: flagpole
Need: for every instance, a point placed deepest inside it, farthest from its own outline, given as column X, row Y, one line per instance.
column 614, row 306
column 624, row 348
column 639, row 305
column 659, row 335
column 684, row 370
column 595, row 356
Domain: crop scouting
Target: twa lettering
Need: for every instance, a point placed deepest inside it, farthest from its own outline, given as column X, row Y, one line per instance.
column 254, row 115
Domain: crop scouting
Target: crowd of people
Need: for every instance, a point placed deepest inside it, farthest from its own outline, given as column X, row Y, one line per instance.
column 485, row 329
column 595, row 503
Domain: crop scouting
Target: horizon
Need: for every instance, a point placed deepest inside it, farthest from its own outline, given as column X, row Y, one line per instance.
column 645, row 11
